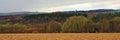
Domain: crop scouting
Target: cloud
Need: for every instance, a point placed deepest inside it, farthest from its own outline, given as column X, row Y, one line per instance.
column 84, row 6
column 55, row 5
column 69, row 7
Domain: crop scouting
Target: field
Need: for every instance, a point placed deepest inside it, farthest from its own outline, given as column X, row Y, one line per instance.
column 61, row 36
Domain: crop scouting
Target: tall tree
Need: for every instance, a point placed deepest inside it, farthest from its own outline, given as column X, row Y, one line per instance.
column 116, row 22
column 75, row 24
column 104, row 25
column 53, row 26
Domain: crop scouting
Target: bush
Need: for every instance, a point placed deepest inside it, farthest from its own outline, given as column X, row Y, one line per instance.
column 12, row 27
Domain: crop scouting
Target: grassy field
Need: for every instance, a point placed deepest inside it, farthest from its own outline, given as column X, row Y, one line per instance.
column 62, row 36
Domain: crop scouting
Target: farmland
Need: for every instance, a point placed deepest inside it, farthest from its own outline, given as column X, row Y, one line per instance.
column 61, row 36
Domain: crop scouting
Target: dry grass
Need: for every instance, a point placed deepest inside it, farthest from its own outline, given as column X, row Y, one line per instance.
column 62, row 36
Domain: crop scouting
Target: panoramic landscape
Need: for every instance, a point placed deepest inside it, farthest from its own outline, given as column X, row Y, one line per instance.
column 59, row 20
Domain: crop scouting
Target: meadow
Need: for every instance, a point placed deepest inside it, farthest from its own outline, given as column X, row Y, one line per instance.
column 61, row 36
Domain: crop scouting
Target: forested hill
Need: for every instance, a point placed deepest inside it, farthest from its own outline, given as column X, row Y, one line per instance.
column 93, row 21
column 97, row 11
column 20, row 13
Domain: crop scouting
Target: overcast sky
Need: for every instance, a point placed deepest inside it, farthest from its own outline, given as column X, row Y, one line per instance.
column 56, row 5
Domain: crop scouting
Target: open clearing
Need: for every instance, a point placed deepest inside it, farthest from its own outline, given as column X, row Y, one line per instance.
column 61, row 36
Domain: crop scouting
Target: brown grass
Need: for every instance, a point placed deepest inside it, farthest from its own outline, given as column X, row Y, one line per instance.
column 62, row 36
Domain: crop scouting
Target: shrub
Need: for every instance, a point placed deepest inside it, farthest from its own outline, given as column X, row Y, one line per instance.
column 12, row 27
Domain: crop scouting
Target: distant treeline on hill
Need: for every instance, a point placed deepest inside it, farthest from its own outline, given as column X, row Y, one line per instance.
column 62, row 22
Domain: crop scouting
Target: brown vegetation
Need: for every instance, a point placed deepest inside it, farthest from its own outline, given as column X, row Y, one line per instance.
column 62, row 36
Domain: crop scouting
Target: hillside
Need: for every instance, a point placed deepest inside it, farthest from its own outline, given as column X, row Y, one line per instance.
column 65, row 12
column 93, row 21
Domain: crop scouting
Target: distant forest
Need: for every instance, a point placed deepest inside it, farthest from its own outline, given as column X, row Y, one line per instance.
column 58, row 22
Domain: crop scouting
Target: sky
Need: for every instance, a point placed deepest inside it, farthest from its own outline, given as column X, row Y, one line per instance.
column 56, row 5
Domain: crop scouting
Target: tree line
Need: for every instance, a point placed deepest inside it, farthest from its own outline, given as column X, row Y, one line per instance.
column 65, row 23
